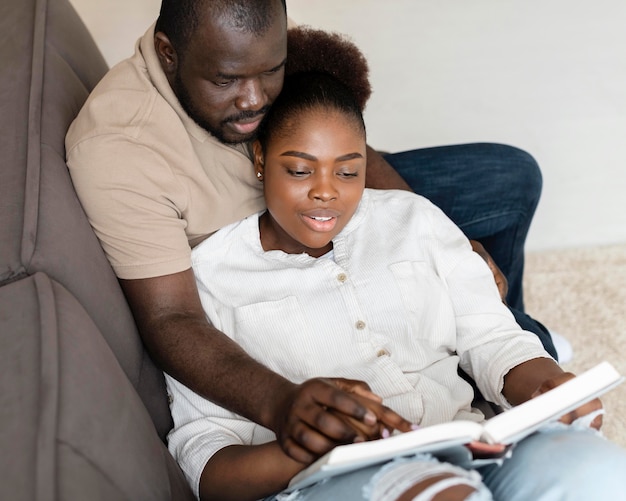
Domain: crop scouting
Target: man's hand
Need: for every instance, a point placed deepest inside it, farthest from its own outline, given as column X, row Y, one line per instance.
column 583, row 410
column 322, row 413
column 501, row 281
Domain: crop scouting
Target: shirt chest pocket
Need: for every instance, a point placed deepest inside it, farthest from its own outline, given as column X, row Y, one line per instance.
column 278, row 334
column 426, row 300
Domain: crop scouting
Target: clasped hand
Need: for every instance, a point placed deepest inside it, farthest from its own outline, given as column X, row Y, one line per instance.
column 322, row 413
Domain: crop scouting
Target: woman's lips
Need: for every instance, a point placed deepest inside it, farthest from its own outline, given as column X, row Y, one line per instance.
column 321, row 220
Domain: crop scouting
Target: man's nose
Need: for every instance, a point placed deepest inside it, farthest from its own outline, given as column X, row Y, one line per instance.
column 252, row 95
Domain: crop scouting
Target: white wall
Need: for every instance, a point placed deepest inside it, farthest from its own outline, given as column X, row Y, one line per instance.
column 548, row 76
column 117, row 24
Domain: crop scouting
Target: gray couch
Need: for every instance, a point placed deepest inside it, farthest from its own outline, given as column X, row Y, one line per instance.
column 83, row 410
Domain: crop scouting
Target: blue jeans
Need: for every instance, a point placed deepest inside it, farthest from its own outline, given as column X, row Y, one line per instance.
column 491, row 192
column 563, row 463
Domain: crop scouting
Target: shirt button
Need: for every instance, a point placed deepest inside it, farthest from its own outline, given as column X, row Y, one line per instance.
column 382, row 353
column 360, row 325
column 342, row 277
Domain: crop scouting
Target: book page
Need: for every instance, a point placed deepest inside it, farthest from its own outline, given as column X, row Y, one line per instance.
column 520, row 421
column 505, row 428
column 350, row 457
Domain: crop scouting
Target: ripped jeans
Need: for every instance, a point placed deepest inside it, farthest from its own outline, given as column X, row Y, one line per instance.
column 558, row 463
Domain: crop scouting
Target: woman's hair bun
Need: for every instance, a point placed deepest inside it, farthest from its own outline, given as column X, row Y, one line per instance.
column 317, row 51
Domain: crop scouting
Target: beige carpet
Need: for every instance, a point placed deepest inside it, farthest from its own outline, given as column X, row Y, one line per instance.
column 582, row 295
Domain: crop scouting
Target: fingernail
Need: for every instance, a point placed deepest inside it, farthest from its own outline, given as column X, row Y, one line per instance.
column 415, row 426
column 385, row 433
column 370, row 418
column 358, row 439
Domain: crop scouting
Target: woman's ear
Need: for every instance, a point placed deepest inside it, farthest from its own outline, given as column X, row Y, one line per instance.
column 166, row 54
column 259, row 159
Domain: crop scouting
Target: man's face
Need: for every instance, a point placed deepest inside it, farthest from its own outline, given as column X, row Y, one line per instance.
column 227, row 78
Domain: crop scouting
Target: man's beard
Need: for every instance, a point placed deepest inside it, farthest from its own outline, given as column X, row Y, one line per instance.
column 187, row 103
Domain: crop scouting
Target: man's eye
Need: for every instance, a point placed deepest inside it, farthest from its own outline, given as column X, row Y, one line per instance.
column 223, row 83
column 273, row 71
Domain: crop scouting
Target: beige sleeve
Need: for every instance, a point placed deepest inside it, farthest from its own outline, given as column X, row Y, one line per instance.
column 134, row 204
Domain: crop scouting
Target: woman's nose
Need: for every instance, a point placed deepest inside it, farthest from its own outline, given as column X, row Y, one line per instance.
column 323, row 188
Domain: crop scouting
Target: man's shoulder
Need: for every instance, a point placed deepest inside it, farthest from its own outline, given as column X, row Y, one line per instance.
column 125, row 102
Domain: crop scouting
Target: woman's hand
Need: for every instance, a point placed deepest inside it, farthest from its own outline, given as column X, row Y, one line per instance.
column 591, row 406
column 481, row 450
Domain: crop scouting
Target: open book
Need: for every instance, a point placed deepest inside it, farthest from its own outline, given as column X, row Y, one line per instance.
column 505, row 428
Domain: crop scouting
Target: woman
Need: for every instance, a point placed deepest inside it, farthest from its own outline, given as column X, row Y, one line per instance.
column 334, row 280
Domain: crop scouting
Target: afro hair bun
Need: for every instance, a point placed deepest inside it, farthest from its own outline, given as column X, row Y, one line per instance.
column 311, row 50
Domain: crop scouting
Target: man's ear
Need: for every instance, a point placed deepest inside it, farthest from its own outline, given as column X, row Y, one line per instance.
column 166, row 53
column 259, row 159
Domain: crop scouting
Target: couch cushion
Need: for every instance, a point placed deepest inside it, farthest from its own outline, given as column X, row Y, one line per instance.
column 50, row 65
column 72, row 426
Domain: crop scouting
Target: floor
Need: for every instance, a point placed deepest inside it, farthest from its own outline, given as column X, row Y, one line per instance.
column 580, row 293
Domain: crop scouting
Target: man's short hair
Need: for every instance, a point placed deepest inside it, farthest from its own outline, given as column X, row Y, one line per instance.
column 179, row 19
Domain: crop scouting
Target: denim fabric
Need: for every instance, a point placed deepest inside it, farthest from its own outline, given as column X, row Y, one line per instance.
column 561, row 463
column 530, row 324
column 490, row 191
column 358, row 485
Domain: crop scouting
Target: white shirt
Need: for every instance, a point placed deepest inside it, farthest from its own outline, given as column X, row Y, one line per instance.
column 401, row 304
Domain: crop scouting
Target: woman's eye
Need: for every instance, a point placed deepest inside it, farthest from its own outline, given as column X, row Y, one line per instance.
column 298, row 172
column 348, row 174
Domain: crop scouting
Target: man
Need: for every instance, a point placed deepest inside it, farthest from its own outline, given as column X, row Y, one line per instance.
column 159, row 157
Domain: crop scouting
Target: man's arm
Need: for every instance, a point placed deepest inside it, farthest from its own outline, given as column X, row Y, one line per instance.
column 173, row 326
column 382, row 176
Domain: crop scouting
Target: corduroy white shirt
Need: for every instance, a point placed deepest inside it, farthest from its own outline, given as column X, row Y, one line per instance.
column 402, row 302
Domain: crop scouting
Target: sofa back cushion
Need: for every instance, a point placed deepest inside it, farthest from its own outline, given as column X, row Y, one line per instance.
column 50, row 64
column 73, row 427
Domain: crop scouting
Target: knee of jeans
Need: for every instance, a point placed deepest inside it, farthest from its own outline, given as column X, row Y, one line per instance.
column 598, row 460
column 522, row 168
column 399, row 476
column 582, row 463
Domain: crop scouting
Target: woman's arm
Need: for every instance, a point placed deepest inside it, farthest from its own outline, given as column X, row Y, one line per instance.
column 242, row 472
column 539, row 375
column 522, row 381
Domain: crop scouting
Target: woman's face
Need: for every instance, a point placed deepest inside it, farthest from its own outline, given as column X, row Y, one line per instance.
column 313, row 179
